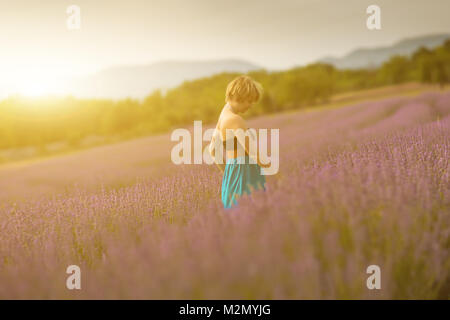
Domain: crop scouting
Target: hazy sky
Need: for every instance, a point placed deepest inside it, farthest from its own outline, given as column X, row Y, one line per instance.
column 275, row 34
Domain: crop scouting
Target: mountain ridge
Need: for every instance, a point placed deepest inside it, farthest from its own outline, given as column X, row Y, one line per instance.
column 372, row 57
column 140, row 80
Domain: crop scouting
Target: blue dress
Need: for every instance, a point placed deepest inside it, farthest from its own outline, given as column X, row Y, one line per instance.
column 240, row 177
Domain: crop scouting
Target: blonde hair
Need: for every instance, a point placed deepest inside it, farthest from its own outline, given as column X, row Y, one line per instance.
column 244, row 88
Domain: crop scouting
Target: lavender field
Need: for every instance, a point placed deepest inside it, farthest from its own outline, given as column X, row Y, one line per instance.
column 358, row 185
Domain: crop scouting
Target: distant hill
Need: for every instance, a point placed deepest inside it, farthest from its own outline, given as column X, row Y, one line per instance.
column 140, row 80
column 374, row 57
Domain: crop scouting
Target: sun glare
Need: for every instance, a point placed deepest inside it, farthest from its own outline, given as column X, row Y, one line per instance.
column 36, row 83
column 35, row 89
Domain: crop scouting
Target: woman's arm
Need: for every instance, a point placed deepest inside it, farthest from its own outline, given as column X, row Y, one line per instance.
column 212, row 151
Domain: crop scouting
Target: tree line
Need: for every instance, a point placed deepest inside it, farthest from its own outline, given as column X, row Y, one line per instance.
column 38, row 122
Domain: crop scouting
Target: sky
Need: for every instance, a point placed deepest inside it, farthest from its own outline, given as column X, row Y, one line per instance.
column 34, row 38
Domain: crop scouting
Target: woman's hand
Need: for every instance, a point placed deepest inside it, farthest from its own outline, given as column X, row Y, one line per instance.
column 221, row 166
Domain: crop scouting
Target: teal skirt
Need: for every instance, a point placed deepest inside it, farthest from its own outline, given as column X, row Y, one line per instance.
column 240, row 177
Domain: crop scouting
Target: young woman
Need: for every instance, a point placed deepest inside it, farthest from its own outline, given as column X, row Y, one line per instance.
column 242, row 172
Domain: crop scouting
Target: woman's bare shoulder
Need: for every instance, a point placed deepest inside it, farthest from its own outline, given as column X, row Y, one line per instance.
column 232, row 121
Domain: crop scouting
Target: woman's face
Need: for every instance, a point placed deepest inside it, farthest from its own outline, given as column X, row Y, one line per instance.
column 241, row 106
